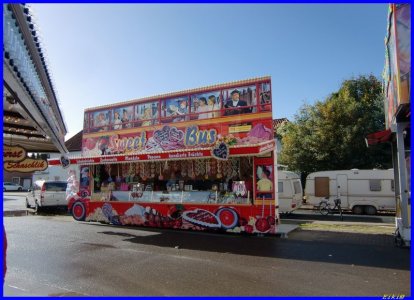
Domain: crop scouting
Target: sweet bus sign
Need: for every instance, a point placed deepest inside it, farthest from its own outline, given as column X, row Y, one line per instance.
column 201, row 159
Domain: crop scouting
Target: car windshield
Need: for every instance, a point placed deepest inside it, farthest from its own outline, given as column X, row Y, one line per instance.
column 56, row 186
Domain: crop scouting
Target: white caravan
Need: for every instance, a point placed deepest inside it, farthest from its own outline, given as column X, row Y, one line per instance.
column 289, row 191
column 362, row 191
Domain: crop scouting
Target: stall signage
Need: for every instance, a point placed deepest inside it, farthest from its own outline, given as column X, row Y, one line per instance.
column 167, row 138
column 121, row 145
column 26, row 166
column 240, row 128
column 220, row 151
column 267, row 147
column 196, row 137
column 13, row 153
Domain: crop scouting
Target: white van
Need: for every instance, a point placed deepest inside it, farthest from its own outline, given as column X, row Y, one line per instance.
column 289, row 191
column 362, row 191
column 47, row 194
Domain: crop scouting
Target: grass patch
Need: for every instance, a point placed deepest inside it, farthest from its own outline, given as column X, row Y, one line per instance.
column 370, row 229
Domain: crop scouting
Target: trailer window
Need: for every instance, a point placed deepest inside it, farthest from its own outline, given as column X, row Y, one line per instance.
column 375, row 185
column 280, row 187
column 296, row 186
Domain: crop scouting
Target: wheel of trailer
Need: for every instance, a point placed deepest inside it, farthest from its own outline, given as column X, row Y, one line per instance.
column 370, row 210
column 79, row 211
column 228, row 218
column 357, row 210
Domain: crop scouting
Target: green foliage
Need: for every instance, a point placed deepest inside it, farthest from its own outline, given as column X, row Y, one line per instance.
column 330, row 135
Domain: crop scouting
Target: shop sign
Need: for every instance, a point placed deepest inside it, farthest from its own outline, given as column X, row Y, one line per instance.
column 13, row 153
column 27, row 165
column 267, row 147
column 240, row 128
column 167, row 138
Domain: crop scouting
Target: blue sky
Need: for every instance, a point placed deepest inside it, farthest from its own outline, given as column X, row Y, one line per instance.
column 106, row 53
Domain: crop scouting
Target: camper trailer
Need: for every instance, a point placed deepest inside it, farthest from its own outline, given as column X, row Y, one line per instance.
column 362, row 191
column 289, row 191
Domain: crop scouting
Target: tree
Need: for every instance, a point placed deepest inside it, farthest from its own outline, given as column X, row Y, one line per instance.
column 330, row 135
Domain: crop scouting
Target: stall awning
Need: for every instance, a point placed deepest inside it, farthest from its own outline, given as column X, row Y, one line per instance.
column 378, row 137
column 235, row 151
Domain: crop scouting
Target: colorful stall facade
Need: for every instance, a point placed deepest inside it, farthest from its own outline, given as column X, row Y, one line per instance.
column 202, row 159
column 396, row 88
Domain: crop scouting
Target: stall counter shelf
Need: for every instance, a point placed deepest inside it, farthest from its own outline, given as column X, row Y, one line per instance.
column 177, row 197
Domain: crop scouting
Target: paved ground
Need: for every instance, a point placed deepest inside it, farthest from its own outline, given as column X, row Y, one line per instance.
column 54, row 255
column 51, row 254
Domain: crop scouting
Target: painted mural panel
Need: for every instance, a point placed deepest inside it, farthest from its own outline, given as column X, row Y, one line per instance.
column 403, row 28
column 147, row 114
column 240, row 100
column 397, row 67
column 175, row 110
column 206, row 105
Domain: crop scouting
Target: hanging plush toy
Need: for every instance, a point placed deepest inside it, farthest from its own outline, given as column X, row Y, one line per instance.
column 72, row 186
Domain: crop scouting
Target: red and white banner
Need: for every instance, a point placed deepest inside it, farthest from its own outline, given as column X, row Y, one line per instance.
column 170, row 155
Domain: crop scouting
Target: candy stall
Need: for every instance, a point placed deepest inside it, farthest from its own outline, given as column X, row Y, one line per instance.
column 200, row 159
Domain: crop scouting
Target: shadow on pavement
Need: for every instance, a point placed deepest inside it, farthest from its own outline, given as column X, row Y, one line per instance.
column 52, row 211
column 8, row 199
column 374, row 250
column 347, row 217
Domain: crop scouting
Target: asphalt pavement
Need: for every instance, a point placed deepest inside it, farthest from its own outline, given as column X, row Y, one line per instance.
column 53, row 255
column 50, row 254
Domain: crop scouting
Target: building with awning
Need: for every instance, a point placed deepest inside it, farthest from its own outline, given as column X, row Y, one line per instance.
column 32, row 119
column 31, row 114
column 396, row 88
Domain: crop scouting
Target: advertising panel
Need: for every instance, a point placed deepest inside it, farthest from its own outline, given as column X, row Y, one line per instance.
column 403, row 29
column 170, row 138
column 397, row 67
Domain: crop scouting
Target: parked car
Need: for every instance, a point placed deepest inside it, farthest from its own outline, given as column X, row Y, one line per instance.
column 47, row 194
column 10, row 186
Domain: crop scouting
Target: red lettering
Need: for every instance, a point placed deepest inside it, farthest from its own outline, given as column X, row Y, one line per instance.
column 12, row 154
column 27, row 164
